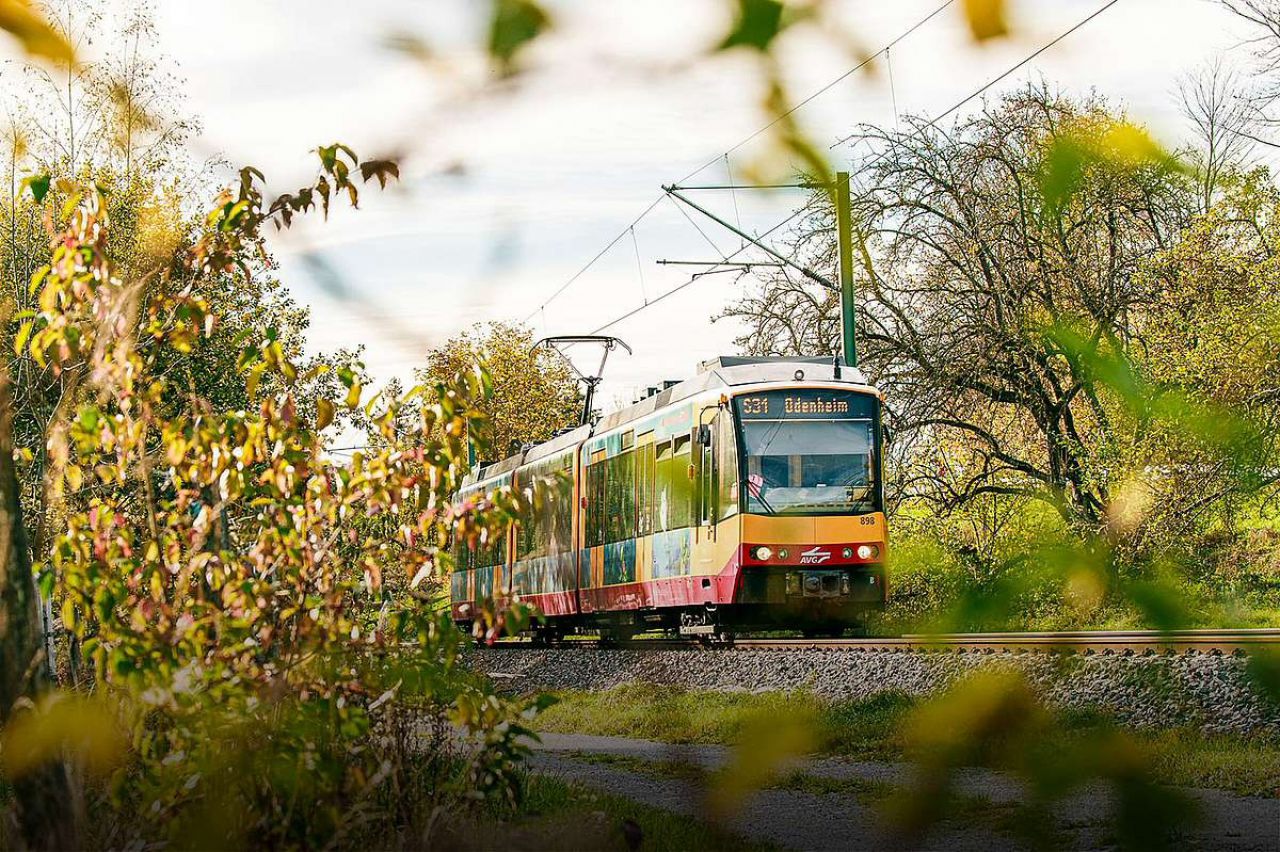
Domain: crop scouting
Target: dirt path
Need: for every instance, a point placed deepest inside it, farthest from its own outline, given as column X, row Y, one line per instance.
column 810, row 817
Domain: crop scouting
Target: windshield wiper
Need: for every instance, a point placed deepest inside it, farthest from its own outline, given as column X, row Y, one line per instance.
column 763, row 502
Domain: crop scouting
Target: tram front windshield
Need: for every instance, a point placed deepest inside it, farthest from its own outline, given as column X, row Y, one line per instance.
column 809, row 452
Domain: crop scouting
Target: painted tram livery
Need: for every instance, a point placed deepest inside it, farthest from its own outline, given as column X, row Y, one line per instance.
column 749, row 497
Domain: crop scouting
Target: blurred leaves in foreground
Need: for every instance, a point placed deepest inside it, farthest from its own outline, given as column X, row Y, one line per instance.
column 87, row 729
column 767, row 744
column 34, row 34
column 987, row 18
column 993, row 719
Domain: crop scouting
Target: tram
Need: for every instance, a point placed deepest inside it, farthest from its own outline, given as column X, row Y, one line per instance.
column 749, row 497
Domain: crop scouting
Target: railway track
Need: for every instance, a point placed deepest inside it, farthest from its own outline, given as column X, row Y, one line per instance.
column 1076, row 642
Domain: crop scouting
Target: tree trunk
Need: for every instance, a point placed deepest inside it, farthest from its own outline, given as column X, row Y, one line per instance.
column 44, row 805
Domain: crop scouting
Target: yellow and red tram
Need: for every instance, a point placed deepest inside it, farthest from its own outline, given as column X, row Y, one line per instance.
column 749, row 497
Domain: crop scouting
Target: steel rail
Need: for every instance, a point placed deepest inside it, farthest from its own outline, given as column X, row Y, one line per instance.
column 1078, row 642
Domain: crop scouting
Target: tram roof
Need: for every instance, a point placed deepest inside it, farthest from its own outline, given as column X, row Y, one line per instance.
column 724, row 371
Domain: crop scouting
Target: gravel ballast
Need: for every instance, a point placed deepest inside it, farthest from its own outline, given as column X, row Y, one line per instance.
column 1209, row 692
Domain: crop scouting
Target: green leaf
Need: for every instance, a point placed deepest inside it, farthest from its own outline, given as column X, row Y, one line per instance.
column 39, row 186
column 1062, row 171
column 328, row 156
column 515, row 23
column 1263, row 670
column 758, row 23
column 89, row 418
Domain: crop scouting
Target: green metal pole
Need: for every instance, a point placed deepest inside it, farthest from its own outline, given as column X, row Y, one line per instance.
column 844, row 240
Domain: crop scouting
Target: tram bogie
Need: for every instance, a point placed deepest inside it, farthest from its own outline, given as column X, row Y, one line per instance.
column 748, row 498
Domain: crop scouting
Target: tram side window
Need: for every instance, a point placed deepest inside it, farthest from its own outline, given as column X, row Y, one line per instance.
column 646, row 463
column 465, row 557
column 595, row 515
column 620, row 497
column 528, row 534
column 491, row 553
column 462, row 560
column 549, row 527
column 673, row 490
column 682, row 507
column 560, row 523
column 663, row 461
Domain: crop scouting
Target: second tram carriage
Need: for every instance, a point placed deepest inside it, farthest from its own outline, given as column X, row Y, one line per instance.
column 749, row 497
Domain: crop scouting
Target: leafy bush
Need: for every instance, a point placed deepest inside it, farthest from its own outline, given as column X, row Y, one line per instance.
column 254, row 680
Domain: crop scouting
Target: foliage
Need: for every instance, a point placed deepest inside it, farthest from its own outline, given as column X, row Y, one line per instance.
column 534, row 394
column 226, row 578
column 1036, row 213
column 119, row 124
column 218, row 577
column 993, row 718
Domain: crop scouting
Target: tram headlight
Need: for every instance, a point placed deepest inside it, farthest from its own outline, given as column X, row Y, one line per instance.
column 847, row 553
column 762, row 554
column 782, row 554
column 868, row 551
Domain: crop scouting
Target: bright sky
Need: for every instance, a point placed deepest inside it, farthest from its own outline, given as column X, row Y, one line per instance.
column 506, row 196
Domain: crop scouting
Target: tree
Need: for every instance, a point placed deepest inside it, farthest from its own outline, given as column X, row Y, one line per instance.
column 1222, row 119
column 1264, row 17
column 120, row 123
column 1214, row 334
column 535, row 394
column 45, row 812
column 978, row 243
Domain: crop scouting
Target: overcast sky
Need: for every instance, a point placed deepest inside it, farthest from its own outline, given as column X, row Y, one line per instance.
column 506, row 196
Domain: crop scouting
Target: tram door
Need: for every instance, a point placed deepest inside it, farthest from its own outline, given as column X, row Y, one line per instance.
column 715, row 463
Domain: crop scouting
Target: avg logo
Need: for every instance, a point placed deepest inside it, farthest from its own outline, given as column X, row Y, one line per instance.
column 814, row 556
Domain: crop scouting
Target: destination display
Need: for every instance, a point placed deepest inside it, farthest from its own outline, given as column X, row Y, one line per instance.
column 816, row 403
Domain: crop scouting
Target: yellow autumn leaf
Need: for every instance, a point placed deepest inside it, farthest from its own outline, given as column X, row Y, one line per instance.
column 324, row 413
column 986, row 19
column 33, row 32
column 1132, row 144
column 83, row 727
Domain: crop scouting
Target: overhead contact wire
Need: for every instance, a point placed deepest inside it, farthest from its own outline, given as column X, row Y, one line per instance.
column 822, row 91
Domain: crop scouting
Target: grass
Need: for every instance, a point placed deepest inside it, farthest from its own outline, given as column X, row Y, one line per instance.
column 861, row 789
column 1244, row 766
column 671, row 715
column 870, row 729
column 671, row 769
column 559, row 815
